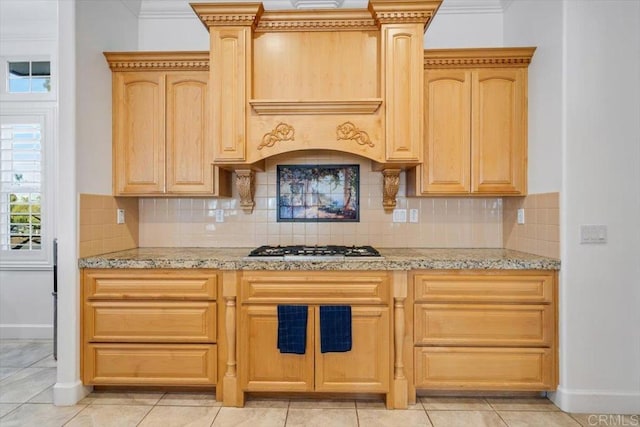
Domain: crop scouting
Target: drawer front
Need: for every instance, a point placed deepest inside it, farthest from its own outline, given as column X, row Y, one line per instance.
column 123, row 321
column 493, row 287
column 356, row 287
column 484, row 368
column 150, row 284
column 150, row 364
column 484, row 325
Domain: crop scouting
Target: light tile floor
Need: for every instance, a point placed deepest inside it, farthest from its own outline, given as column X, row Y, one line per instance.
column 27, row 375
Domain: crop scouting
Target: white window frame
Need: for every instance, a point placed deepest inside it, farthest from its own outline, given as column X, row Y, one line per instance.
column 46, row 114
column 5, row 95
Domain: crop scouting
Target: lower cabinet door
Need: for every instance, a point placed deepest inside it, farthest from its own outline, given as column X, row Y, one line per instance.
column 366, row 367
column 150, row 364
column 477, row 368
column 264, row 367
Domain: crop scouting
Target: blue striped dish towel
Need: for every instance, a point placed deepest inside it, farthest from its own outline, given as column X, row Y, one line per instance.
column 335, row 328
column 292, row 328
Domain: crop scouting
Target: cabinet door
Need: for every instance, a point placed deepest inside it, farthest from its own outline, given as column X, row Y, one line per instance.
column 189, row 157
column 262, row 366
column 139, row 132
column 499, row 127
column 366, row 368
column 447, row 131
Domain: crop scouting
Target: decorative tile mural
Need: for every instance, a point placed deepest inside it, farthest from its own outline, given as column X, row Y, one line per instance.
column 318, row 193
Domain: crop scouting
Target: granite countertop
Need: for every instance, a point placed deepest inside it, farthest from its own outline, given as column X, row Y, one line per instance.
column 393, row 259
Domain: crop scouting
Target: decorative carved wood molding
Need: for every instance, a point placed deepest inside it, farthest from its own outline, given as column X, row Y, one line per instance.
column 474, row 58
column 228, row 14
column 275, row 107
column 158, row 61
column 245, row 185
column 282, row 132
column 349, row 131
column 318, row 20
column 404, row 12
column 391, row 178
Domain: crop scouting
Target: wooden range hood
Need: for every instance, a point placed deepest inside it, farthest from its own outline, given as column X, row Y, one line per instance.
column 348, row 80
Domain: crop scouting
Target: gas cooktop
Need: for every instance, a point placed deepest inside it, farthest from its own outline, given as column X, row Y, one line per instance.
column 314, row 253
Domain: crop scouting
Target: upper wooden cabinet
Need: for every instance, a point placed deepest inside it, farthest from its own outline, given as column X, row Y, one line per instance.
column 161, row 132
column 475, row 138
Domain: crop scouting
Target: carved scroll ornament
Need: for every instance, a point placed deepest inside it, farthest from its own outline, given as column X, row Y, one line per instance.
column 349, row 131
column 282, row 132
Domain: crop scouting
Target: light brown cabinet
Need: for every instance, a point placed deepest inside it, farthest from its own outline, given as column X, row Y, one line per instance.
column 366, row 368
column 475, row 138
column 485, row 330
column 161, row 133
column 149, row 327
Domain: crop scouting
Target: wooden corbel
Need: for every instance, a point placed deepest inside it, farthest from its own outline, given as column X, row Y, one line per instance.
column 246, row 189
column 391, row 183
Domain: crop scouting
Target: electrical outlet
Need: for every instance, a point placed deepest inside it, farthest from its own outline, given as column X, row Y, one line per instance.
column 593, row 234
column 119, row 216
column 219, row 215
column 399, row 215
column 520, row 216
column 413, row 215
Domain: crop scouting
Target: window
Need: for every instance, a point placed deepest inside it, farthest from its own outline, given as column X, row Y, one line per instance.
column 29, row 77
column 23, row 210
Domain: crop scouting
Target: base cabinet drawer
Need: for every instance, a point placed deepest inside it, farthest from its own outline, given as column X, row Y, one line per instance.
column 150, row 364
column 484, row 325
column 117, row 321
column 484, row 368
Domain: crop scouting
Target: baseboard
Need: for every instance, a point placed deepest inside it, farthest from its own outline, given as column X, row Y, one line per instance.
column 68, row 394
column 596, row 401
column 26, row 331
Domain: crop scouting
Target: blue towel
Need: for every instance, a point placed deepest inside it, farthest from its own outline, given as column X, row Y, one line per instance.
column 335, row 328
column 292, row 328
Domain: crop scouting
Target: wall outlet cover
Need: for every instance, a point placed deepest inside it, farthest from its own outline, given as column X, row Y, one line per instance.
column 119, row 216
column 219, row 215
column 414, row 215
column 399, row 215
column 521, row 216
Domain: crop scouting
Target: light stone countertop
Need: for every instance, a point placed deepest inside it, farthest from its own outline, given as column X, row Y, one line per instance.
column 393, row 259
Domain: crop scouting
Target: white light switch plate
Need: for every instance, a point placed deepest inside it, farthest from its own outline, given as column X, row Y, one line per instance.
column 413, row 215
column 219, row 215
column 399, row 215
column 593, row 234
column 521, row 216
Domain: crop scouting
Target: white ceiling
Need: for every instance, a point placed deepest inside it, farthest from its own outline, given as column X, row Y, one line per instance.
column 181, row 8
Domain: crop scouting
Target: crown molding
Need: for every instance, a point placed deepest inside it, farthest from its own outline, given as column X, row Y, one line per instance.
column 318, row 20
column 158, row 61
column 474, row 58
column 452, row 7
column 317, row 4
column 404, row 11
column 228, row 14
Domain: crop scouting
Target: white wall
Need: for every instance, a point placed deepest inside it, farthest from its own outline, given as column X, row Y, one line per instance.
column 464, row 28
column 103, row 26
column 539, row 23
column 28, row 30
column 600, row 299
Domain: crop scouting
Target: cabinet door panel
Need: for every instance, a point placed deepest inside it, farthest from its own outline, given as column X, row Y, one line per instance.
column 139, row 132
column 447, row 131
column 499, row 131
column 366, row 367
column 189, row 157
column 263, row 367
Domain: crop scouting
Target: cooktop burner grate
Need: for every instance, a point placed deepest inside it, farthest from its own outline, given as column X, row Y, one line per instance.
column 314, row 251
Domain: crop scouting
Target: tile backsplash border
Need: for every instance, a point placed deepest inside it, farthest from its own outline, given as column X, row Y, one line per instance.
column 540, row 234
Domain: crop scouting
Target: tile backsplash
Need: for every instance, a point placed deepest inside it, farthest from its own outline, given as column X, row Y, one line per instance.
column 99, row 232
column 540, row 234
column 443, row 222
